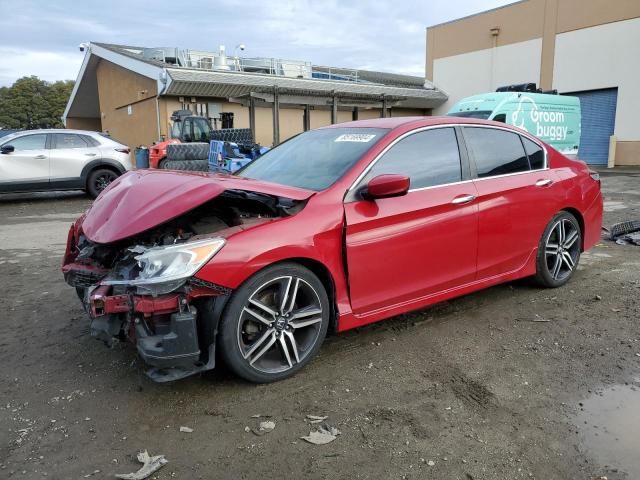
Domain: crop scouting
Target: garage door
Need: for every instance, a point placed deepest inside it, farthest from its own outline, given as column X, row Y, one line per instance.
column 598, row 121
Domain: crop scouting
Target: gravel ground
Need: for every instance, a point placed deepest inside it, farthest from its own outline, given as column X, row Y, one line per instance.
column 491, row 385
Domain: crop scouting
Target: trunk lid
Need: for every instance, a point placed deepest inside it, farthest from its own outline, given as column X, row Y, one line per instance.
column 142, row 199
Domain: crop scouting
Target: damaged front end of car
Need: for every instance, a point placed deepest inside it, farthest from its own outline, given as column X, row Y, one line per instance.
column 142, row 288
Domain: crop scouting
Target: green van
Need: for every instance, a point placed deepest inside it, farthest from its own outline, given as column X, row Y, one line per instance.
column 554, row 119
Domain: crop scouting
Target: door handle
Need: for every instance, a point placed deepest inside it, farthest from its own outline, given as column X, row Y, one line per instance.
column 90, row 154
column 463, row 199
column 543, row 183
column 40, row 157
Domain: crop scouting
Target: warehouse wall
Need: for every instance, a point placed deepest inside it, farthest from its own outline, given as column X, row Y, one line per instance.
column 486, row 70
column 127, row 104
column 590, row 52
column 569, row 45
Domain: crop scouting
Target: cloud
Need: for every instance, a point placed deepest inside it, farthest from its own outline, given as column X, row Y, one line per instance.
column 47, row 65
column 373, row 34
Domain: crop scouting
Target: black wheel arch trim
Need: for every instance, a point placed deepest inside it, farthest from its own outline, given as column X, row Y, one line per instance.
column 101, row 163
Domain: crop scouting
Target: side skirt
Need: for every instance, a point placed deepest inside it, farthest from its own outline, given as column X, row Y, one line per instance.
column 350, row 321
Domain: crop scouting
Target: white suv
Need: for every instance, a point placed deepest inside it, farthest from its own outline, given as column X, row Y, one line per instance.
column 60, row 159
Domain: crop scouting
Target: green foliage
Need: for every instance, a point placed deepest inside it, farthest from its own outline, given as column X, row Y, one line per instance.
column 33, row 103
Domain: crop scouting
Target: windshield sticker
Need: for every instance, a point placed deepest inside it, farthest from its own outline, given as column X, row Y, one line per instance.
column 355, row 137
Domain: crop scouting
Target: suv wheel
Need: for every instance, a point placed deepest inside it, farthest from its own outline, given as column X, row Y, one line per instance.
column 100, row 179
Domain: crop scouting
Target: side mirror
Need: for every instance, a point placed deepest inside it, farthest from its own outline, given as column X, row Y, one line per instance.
column 7, row 149
column 385, row 186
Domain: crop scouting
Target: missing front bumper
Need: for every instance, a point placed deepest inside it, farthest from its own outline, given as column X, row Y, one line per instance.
column 176, row 348
column 170, row 335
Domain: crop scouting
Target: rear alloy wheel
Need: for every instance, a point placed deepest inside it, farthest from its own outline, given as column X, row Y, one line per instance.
column 99, row 180
column 274, row 324
column 559, row 251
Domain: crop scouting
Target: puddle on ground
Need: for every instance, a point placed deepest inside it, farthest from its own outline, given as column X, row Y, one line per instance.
column 609, row 421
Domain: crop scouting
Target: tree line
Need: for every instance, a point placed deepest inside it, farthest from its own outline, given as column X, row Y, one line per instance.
column 33, row 103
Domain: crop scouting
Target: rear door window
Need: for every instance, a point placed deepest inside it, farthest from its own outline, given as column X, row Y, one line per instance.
column 428, row 158
column 535, row 154
column 68, row 140
column 496, row 152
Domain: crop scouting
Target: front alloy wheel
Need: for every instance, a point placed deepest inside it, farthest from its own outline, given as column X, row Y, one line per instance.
column 274, row 323
column 559, row 250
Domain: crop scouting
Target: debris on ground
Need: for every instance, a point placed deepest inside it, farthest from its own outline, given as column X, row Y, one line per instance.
column 267, row 425
column 264, row 427
column 149, row 465
column 316, row 418
column 431, row 463
column 323, row 435
column 95, row 472
column 186, row 430
column 625, row 233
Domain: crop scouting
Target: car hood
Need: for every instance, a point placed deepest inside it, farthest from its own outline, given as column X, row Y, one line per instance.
column 143, row 199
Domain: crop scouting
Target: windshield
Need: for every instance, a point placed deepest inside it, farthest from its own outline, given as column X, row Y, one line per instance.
column 482, row 114
column 314, row 160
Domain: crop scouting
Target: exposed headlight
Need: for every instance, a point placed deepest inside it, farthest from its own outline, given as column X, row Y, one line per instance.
column 173, row 262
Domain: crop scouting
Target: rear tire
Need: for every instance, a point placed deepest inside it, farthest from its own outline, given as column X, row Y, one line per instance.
column 558, row 251
column 274, row 324
column 100, row 179
column 162, row 163
column 187, row 165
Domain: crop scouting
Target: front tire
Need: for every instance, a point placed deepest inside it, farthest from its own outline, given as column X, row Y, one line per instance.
column 558, row 251
column 274, row 323
column 100, row 179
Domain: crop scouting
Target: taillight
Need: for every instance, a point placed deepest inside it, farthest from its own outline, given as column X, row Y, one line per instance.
column 594, row 175
column 123, row 150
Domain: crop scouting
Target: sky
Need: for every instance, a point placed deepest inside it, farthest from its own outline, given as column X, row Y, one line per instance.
column 40, row 37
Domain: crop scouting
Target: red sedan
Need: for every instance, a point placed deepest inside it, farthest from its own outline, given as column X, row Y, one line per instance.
column 336, row 228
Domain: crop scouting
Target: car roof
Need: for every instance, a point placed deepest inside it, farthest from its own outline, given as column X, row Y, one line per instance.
column 397, row 122
column 56, row 130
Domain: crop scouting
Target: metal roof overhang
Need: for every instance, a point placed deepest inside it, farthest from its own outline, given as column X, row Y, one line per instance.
column 184, row 82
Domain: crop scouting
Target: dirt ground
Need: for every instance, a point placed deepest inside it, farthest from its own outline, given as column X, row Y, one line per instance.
column 493, row 385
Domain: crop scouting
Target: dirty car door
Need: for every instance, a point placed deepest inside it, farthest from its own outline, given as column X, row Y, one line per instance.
column 403, row 248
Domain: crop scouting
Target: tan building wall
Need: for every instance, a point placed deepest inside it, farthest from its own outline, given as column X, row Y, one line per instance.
column 79, row 123
column 465, row 57
column 127, row 105
column 367, row 114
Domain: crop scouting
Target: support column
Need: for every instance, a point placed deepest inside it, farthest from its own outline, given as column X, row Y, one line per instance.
column 252, row 116
column 383, row 114
column 334, row 110
column 354, row 114
column 307, row 118
column 276, row 117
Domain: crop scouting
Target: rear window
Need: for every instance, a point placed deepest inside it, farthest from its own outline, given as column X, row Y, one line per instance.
column 69, row 140
column 535, row 154
column 496, row 152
